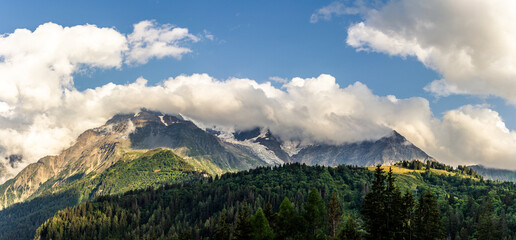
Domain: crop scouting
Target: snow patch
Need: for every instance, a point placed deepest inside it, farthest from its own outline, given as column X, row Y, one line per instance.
column 256, row 148
column 260, row 151
column 163, row 121
column 291, row 147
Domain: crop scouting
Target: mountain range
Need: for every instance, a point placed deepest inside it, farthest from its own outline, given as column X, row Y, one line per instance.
column 149, row 149
column 209, row 151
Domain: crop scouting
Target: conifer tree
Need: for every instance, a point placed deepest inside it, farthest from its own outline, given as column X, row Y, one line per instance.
column 261, row 228
column 502, row 226
column 487, row 227
column 288, row 221
column 394, row 208
column 222, row 231
column 374, row 209
column 407, row 216
column 334, row 214
column 314, row 212
column 349, row 230
column 243, row 228
column 428, row 225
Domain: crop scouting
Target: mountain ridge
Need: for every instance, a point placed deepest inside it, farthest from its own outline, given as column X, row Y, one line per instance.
column 100, row 148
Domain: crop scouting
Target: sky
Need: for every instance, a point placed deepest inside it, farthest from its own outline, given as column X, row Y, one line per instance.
column 442, row 73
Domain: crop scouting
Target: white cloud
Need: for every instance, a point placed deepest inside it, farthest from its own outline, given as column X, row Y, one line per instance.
column 36, row 70
column 440, row 88
column 477, row 135
column 333, row 9
column 152, row 41
column 278, row 79
column 43, row 113
column 472, row 43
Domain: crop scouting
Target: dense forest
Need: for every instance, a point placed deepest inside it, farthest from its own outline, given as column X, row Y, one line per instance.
column 301, row 202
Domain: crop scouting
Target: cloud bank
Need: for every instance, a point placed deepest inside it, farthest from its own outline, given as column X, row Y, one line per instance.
column 472, row 43
column 42, row 113
column 36, row 71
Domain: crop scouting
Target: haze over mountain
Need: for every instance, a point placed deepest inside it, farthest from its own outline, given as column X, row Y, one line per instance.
column 495, row 173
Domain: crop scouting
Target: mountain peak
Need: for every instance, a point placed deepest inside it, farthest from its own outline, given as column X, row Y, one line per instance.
column 145, row 116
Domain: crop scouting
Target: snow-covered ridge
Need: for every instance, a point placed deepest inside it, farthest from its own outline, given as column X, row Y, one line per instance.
column 256, row 148
column 291, row 147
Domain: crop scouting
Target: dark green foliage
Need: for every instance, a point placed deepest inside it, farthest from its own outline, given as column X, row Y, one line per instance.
column 374, row 209
column 22, row 219
column 489, row 227
column 386, row 213
column 313, row 214
column 349, row 230
column 428, row 225
column 289, row 223
column 243, row 228
column 260, row 226
column 407, row 216
column 193, row 210
column 222, row 231
column 334, row 215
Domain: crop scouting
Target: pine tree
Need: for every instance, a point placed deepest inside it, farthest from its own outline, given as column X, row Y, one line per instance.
column 428, row 225
column 288, row 220
column 374, row 209
column 222, row 230
column 334, row 214
column 487, row 227
column 394, row 208
column 407, row 218
column 261, row 228
column 269, row 214
column 243, row 229
column 313, row 213
column 349, row 230
column 502, row 226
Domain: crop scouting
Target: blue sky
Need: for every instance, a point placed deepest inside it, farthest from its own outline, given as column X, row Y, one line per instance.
column 254, row 40
column 466, row 67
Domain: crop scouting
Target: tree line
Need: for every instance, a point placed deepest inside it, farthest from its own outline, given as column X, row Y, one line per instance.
column 296, row 201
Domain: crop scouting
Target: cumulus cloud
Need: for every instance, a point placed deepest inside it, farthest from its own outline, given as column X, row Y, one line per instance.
column 42, row 113
column 36, row 69
column 149, row 40
column 472, row 43
column 333, row 9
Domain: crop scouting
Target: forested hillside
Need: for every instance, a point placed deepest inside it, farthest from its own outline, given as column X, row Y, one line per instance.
column 301, row 202
column 137, row 170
